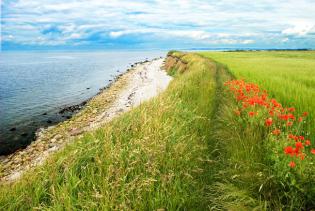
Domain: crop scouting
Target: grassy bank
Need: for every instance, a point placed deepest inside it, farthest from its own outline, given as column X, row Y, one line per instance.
column 156, row 156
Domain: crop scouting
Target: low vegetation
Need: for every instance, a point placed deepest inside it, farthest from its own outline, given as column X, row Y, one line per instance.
column 210, row 141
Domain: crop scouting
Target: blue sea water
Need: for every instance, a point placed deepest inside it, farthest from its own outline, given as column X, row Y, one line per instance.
column 37, row 83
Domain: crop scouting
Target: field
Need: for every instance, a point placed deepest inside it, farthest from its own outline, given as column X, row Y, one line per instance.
column 264, row 140
column 289, row 76
column 210, row 141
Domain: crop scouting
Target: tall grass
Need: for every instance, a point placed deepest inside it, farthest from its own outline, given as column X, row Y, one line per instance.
column 156, row 156
column 251, row 176
column 288, row 75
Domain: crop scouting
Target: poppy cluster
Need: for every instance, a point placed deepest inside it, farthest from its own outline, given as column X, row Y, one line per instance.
column 279, row 120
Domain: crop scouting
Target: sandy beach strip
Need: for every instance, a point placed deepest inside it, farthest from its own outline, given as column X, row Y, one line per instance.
column 144, row 81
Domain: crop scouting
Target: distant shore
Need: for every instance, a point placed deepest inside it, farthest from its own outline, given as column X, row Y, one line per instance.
column 139, row 83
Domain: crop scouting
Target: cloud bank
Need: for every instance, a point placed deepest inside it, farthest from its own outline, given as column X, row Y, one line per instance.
column 151, row 24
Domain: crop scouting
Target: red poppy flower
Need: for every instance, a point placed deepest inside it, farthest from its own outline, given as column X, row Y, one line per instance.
column 313, row 151
column 252, row 113
column 291, row 136
column 299, row 145
column 292, row 164
column 288, row 150
column 305, row 114
column 291, row 109
column 271, row 113
column 276, row 132
column 300, row 119
column 291, row 116
column 307, row 143
column 268, row 122
column 289, row 124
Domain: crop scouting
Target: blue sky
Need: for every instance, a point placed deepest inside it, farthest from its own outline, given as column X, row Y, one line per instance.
column 156, row 24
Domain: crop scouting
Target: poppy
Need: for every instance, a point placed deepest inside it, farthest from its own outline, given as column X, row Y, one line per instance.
column 276, row 132
column 289, row 124
column 307, row 143
column 288, row 150
column 252, row 113
column 292, row 164
column 268, row 122
column 291, row 109
column 299, row 145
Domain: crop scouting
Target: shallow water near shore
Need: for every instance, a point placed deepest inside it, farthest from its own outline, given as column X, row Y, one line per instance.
column 35, row 86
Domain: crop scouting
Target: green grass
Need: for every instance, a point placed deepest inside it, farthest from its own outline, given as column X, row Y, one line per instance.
column 156, row 156
column 253, row 173
column 185, row 149
column 288, row 75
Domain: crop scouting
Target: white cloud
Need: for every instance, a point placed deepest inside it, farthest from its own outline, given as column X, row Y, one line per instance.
column 213, row 22
column 285, row 39
column 300, row 28
column 247, row 41
column 195, row 35
column 116, row 34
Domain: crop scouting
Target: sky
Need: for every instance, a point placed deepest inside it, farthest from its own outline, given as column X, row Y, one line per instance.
column 156, row 24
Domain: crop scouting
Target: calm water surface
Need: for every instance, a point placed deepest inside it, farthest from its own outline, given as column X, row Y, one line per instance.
column 37, row 83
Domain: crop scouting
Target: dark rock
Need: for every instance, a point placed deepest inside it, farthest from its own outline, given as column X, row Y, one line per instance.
column 88, row 88
column 24, row 134
column 49, row 121
column 13, row 129
column 45, row 113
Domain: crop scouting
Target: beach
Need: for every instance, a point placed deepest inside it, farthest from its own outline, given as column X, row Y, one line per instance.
column 138, row 84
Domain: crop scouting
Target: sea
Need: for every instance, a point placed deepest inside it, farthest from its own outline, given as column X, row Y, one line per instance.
column 35, row 86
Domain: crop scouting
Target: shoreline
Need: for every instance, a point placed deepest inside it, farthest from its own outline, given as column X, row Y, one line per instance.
column 128, row 89
column 60, row 114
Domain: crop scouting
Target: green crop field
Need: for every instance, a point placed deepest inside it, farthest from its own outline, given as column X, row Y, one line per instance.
column 288, row 75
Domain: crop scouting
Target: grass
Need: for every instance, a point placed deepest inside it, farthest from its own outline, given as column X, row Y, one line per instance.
column 288, row 75
column 254, row 175
column 156, row 156
column 185, row 149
